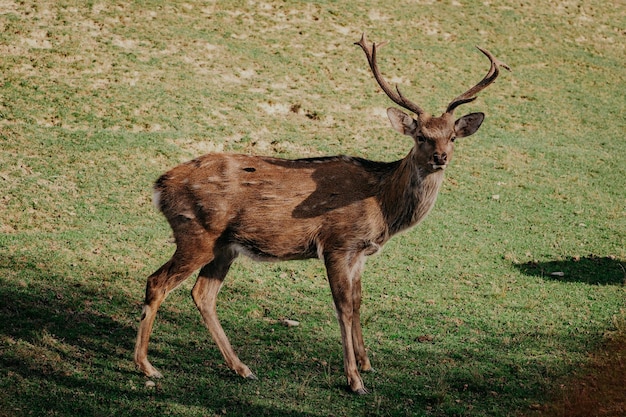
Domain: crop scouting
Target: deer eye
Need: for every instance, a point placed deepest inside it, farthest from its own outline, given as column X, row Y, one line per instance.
column 421, row 139
column 452, row 139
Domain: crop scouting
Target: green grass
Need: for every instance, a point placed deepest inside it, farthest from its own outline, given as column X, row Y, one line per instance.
column 462, row 315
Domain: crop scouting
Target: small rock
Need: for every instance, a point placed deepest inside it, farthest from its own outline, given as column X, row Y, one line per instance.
column 290, row 323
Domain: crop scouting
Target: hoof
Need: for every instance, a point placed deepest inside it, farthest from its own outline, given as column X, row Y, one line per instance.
column 156, row 374
column 361, row 391
column 369, row 370
column 252, row 377
column 150, row 371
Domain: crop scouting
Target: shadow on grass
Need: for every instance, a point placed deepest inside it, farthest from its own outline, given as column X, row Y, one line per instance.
column 66, row 349
column 593, row 270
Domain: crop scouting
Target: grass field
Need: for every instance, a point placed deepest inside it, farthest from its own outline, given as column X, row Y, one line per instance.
column 463, row 315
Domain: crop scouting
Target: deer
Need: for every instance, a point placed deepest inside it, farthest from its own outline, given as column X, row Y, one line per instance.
column 339, row 209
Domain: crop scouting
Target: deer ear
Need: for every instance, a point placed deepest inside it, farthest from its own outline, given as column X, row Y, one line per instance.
column 468, row 124
column 401, row 121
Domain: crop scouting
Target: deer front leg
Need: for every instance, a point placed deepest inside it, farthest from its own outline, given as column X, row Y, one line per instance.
column 339, row 268
column 357, row 333
column 204, row 294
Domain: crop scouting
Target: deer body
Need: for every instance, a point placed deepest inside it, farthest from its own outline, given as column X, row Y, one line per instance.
column 307, row 206
column 338, row 209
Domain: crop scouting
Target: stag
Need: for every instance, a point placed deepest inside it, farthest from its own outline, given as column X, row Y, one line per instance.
column 339, row 209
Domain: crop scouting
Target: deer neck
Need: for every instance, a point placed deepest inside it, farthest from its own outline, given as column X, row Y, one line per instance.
column 409, row 194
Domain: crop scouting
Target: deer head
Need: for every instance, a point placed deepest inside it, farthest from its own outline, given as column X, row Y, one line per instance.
column 434, row 136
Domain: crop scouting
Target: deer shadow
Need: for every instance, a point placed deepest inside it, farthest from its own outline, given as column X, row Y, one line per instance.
column 592, row 270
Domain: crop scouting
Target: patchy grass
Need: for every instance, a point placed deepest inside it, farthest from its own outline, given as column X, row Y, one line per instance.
column 515, row 281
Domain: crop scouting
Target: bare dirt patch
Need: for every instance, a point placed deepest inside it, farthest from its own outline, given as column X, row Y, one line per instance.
column 597, row 390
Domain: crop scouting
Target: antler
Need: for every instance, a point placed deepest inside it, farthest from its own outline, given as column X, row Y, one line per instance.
column 396, row 96
column 470, row 95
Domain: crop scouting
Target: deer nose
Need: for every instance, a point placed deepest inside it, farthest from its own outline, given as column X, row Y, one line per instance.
column 440, row 159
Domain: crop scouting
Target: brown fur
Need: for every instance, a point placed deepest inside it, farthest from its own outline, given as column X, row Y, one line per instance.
column 339, row 209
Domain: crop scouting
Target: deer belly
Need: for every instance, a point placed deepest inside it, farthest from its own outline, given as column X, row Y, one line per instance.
column 274, row 252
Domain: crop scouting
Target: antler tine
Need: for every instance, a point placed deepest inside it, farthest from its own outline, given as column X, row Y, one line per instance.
column 470, row 95
column 395, row 96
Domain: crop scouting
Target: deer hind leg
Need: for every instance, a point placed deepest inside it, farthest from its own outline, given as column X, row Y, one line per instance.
column 169, row 276
column 340, row 268
column 204, row 294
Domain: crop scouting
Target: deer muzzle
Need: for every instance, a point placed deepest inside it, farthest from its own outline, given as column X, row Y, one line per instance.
column 439, row 161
